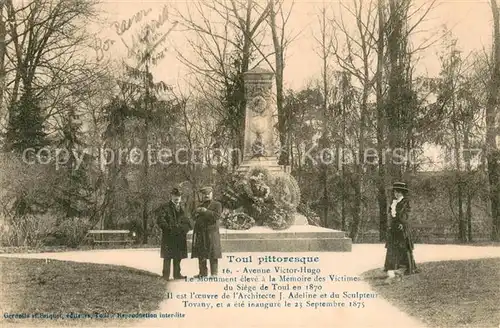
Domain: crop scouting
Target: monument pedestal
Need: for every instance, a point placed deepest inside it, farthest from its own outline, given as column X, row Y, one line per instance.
column 260, row 151
column 297, row 238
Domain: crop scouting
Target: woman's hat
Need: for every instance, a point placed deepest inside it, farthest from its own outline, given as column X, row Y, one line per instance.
column 401, row 186
column 175, row 192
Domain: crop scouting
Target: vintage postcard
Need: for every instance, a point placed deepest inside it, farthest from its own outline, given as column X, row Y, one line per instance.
column 250, row 163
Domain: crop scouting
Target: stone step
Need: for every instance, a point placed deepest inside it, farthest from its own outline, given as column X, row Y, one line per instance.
column 266, row 163
column 271, row 169
column 259, row 164
column 285, row 245
column 294, row 239
column 264, row 160
column 246, row 234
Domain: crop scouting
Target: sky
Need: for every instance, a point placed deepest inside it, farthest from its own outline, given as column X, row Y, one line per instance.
column 470, row 22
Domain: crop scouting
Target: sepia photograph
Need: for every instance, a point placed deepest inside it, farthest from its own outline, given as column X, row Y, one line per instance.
column 250, row 163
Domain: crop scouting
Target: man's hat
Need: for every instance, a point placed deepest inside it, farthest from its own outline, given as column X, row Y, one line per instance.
column 206, row 190
column 401, row 186
column 175, row 192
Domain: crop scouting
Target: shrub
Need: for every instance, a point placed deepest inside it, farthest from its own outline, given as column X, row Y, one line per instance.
column 27, row 230
column 69, row 232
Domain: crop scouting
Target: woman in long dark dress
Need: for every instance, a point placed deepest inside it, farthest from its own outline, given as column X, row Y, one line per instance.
column 399, row 243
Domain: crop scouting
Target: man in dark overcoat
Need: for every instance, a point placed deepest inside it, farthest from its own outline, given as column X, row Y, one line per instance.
column 206, row 235
column 175, row 225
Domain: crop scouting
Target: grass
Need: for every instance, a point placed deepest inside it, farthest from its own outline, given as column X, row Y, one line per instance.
column 447, row 294
column 38, row 286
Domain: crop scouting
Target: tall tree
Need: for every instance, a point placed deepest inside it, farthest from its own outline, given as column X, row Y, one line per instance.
column 74, row 190
column 149, row 55
column 47, row 37
column 25, row 128
column 3, row 50
column 381, row 126
column 356, row 59
column 225, row 45
column 398, row 83
column 460, row 105
column 493, row 154
column 401, row 100
column 280, row 42
column 44, row 56
column 325, row 52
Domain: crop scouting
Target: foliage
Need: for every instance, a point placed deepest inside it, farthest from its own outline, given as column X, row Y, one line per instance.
column 312, row 217
column 26, row 126
column 28, row 230
column 281, row 217
column 285, row 189
column 265, row 198
column 237, row 220
column 69, row 232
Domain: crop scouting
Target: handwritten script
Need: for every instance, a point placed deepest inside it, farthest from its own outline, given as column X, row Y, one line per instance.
column 162, row 18
column 126, row 24
column 101, row 46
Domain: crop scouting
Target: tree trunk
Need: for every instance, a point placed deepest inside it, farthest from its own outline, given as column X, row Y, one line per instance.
column 396, row 50
column 342, row 179
column 461, row 220
column 278, row 55
column 145, row 176
column 3, row 50
column 326, row 200
column 493, row 155
column 469, row 216
column 358, row 187
column 381, row 194
column 467, row 158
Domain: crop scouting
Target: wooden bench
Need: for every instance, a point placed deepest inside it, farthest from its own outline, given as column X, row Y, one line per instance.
column 100, row 236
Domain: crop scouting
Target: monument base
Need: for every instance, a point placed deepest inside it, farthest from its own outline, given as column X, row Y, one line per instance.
column 305, row 238
column 270, row 163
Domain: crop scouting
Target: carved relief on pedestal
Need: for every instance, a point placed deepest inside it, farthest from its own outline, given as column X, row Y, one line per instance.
column 257, row 88
column 259, row 115
column 258, row 105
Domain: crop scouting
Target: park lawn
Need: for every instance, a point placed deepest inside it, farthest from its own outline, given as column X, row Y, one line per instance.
column 39, row 286
column 448, row 293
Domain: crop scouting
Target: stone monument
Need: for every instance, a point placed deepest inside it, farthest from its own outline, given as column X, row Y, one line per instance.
column 260, row 142
column 261, row 151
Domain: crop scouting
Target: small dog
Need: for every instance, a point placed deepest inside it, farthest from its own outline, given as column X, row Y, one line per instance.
column 395, row 275
column 400, row 273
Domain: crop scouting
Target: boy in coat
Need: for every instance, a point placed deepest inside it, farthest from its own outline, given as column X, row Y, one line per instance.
column 174, row 223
